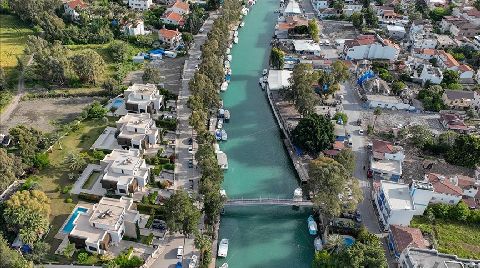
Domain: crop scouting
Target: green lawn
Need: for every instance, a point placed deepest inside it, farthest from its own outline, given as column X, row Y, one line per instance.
column 13, row 35
column 456, row 238
column 91, row 180
column 56, row 175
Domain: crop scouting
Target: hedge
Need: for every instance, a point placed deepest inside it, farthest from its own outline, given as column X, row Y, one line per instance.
column 89, row 197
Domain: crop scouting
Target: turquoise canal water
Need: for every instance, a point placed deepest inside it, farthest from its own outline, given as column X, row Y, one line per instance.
column 259, row 166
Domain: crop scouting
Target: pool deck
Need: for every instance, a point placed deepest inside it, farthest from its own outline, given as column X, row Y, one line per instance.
column 60, row 234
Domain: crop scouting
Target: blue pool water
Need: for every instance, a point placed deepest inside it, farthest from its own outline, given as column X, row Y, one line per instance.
column 348, row 240
column 117, row 102
column 69, row 226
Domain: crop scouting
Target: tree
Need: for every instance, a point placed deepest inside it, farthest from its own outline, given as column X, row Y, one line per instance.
column 39, row 253
column 213, row 4
column 28, row 212
column 277, row 58
column 421, row 136
column 182, row 215
column 438, row 13
column 459, row 212
column 152, row 74
column 119, row 50
column 465, row 152
column 476, row 4
column 204, row 244
column 95, row 111
column 3, row 82
column 313, row 30
column 153, row 16
column 432, row 98
column 313, row 133
column 187, row 38
column 75, row 161
column 68, row 250
column 398, row 87
column 450, row 77
column 10, row 167
column 357, row 20
column 340, row 71
column 371, row 19
column 328, row 179
column 12, row 258
column 377, row 112
column 31, row 11
column 302, row 80
column 88, row 65
column 41, row 160
column 346, row 157
column 28, row 142
column 340, row 115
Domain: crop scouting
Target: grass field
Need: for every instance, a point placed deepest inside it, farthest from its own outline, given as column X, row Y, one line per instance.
column 57, row 175
column 13, row 35
column 461, row 239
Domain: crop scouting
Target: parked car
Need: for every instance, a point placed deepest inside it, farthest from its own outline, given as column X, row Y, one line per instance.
column 180, row 252
column 190, row 149
column 159, row 224
column 353, row 216
column 190, row 163
column 360, row 131
column 359, row 122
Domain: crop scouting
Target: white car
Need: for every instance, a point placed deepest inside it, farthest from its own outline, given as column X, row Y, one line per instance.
column 360, row 132
column 180, row 252
column 201, row 30
column 190, row 149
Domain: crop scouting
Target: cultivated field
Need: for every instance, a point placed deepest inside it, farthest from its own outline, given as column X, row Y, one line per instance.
column 13, row 35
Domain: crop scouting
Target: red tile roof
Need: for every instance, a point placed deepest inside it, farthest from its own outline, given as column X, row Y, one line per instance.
column 407, row 237
column 382, row 146
column 169, row 34
column 181, row 5
column 173, row 16
column 465, row 182
column 76, row 3
column 338, row 145
column 447, row 58
column 443, row 185
column 470, row 202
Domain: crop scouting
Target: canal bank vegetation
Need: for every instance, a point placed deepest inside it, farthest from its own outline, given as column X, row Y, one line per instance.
column 367, row 251
column 204, row 102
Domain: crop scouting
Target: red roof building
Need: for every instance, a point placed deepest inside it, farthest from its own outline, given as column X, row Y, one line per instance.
column 402, row 237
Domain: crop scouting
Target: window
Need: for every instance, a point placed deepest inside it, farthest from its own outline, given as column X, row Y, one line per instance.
column 122, row 191
column 451, row 201
column 92, row 248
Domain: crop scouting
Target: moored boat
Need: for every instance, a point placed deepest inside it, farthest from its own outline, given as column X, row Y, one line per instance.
column 220, row 123
column 226, row 116
column 224, row 86
column 235, row 40
column 223, row 248
column 225, row 265
column 312, row 225
column 317, row 243
column 224, row 135
column 242, row 24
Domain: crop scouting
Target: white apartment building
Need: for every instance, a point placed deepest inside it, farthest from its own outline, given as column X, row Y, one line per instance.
column 432, row 74
column 370, row 47
column 319, row 4
column 139, row 4
column 137, row 131
column 397, row 203
column 134, row 28
column 386, row 160
column 143, row 98
column 125, row 171
column 104, row 224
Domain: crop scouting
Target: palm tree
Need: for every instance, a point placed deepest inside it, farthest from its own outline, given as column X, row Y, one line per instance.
column 202, row 242
column 376, row 113
column 335, row 242
column 75, row 161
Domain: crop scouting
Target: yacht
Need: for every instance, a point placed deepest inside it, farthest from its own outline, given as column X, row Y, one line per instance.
column 235, row 40
column 220, row 123
column 235, row 34
column 312, row 225
column 229, row 57
column 225, row 265
column 226, row 115
column 224, row 135
column 242, row 24
column 317, row 243
column 265, row 72
column 224, row 86
column 223, row 248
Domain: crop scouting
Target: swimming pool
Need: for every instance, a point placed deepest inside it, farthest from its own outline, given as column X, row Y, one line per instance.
column 70, row 224
column 117, row 103
column 348, row 240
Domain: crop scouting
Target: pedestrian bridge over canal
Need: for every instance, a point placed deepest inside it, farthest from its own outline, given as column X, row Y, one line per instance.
column 268, row 202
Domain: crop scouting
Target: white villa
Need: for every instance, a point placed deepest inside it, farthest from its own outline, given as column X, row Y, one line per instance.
column 143, row 98
column 137, row 131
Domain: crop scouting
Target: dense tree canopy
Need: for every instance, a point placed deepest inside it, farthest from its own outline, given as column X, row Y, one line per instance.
column 27, row 212
column 88, row 65
column 302, row 80
column 119, row 50
column 277, row 58
column 465, row 152
column 12, row 258
column 313, row 133
column 313, row 30
column 27, row 142
column 10, row 168
column 329, row 179
column 346, row 157
column 182, row 214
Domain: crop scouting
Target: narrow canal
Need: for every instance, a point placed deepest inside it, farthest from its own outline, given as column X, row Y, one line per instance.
column 259, row 166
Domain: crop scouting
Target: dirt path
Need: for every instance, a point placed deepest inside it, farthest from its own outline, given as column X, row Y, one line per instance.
column 16, row 99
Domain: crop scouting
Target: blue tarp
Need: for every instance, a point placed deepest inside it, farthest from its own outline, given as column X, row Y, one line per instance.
column 298, row 151
column 157, row 51
column 178, row 265
column 228, row 77
column 365, row 76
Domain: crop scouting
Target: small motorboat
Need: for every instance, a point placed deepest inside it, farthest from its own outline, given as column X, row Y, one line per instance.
column 220, row 123
column 265, row 72
column 225, row 265
column 224, row 135
column 226, row 116
column 218, row 135
column 298, row 194
column 221, row 113
column 242, row 24
column 235, row 40
column 223, row 248
column 317, row 243
column 229, row 57
column 224, row 86
column 230, row 46
column 312, row 225
column 235, row 34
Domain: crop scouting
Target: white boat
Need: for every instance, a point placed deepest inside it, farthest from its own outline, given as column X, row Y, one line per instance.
column 226, row 115
column 224, row 135
column 230, row 46
column 220, row 123
column 242, row 24
column 225, row 265
column 223, row 248
column 223, row 193
column 263, row 82
column 229, row 71
column 229, row 57
column 317, row 243
column 235, row 40
column 228, row 50
column 265, row 72
column 235, row 34
column 224, row 86
column 312, row 225
column 221, row 103
column 298, row 194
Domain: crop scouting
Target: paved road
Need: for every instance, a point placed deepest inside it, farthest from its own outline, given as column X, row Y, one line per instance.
column 352, row 107
column 183, row 174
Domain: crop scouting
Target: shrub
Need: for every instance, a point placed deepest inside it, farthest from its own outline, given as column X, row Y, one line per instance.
column 98, row 155
column 149, row 239
column 68, row 200
column 169, row 166
column 41, row 161
column 82, row 257
column 89, row 197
